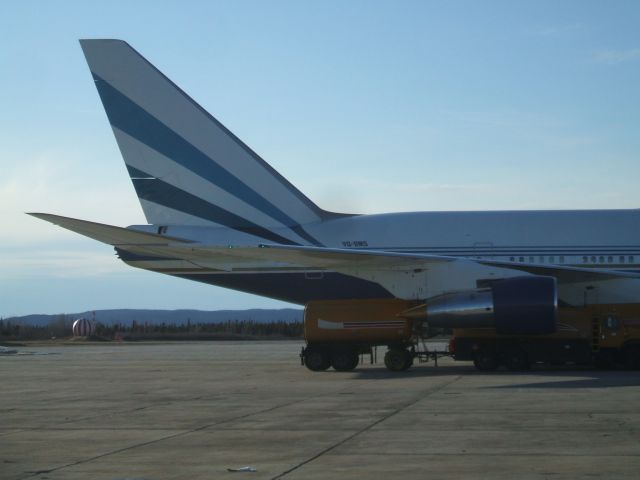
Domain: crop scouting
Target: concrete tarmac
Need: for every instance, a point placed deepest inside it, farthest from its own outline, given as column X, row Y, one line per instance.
column 193, row 410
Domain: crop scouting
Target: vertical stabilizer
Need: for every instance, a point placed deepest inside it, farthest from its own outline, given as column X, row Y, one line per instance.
column 186, row 167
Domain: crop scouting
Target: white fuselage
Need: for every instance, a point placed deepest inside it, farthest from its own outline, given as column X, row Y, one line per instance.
column 602, row 239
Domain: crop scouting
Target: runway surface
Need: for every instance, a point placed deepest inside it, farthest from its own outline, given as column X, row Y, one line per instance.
column 193, row 410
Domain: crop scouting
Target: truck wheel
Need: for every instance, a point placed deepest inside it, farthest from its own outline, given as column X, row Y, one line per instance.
column 485, row 360
column 316, row 359
column 397, row 359
column 409, row 361
column 515, row 359
column 605, row 359
column 632, row 357
column 344, row 360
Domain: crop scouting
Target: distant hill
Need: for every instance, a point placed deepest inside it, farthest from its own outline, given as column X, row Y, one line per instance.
column 169, row 317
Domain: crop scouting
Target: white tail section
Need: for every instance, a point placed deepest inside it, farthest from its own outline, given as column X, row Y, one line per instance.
column 186, row 167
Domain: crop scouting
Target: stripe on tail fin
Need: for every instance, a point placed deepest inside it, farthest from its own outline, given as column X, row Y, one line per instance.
column 186, row 167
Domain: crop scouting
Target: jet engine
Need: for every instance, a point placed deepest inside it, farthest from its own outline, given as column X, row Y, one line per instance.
column 520, row 305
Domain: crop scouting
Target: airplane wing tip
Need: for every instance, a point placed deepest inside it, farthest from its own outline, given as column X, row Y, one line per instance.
column 49, row 217
column 40, row 215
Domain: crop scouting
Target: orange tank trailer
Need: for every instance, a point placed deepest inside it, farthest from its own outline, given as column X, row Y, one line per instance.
column 338, row 331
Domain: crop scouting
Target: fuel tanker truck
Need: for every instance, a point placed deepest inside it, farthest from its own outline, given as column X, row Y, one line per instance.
column 513, row 322
column 606, row 336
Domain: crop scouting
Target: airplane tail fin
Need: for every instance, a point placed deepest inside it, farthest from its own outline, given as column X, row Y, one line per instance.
column 186, row 167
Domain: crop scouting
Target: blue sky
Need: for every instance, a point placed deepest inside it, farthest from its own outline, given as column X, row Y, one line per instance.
column 366, row 106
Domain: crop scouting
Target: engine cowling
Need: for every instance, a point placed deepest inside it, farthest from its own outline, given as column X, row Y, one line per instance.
column 526, row 305
column 513, row 306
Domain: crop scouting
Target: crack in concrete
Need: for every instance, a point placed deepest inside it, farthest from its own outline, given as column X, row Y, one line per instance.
column 175, row 435
column 415, row 400
column 151, row 442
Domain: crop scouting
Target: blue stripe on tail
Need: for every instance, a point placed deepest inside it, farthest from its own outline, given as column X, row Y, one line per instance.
column 141, row 125
column 159, row 192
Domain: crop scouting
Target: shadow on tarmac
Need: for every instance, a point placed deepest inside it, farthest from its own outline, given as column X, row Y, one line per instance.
column 592, row 379
column 372, row 373
column 539, row 378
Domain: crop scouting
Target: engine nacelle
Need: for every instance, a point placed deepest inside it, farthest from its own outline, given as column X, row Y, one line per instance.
column 514, row 306
column 526, row 305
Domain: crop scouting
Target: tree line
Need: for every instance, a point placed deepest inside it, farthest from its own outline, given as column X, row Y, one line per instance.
column 61, row 327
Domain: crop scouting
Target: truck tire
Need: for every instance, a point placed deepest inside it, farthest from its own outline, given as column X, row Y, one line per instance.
column 344, row 359
column 316, row 359
column 485, row 360
column 397, row 359
column 632, row 357
column 605, row 359
column 515, row 359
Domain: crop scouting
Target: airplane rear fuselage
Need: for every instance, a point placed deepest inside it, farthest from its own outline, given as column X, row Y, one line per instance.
column 562, row 237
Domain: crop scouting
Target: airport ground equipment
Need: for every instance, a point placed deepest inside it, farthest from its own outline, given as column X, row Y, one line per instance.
column 606, row 336
column 340, row 333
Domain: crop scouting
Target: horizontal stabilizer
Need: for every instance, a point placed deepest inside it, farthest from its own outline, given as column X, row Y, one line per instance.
column 116, row 236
